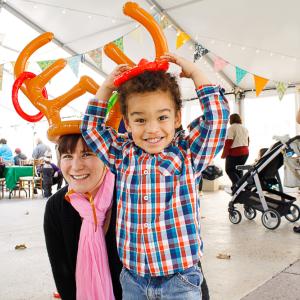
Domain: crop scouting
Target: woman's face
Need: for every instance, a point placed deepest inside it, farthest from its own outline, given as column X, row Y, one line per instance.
column 82, row 169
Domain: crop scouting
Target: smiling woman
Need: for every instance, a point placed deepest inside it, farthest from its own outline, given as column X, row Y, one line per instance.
column 79, row 225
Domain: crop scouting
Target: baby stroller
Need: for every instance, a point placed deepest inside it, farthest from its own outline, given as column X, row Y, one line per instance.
column 256, row 192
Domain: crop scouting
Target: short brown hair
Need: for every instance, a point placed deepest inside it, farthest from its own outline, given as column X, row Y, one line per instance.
column 150, row 82
column 3, row 141
column 67, row 143
column 235, row 118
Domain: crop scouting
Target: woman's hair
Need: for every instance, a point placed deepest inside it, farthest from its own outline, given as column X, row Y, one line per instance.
column 67, row 143
column 150, row 82
column 3, row 141
column 235, row 118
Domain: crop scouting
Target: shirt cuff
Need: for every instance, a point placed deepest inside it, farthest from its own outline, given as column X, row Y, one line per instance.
column 208, row 89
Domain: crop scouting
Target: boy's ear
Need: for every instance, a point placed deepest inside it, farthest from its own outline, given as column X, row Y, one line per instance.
column 126, row 122
column 178, row 119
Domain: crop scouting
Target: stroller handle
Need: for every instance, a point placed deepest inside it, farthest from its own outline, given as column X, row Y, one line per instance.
column 243, row 167
column 297, row 137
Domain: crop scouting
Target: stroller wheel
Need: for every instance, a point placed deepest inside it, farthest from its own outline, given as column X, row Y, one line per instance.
column 271, row 219
column 294, row 214
column 235, row 216
column 250, row 213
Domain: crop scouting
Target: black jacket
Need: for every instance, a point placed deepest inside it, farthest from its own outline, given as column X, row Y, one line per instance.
column 62, row 225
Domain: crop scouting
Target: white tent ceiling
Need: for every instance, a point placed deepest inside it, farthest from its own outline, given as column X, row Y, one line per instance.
column 261, row 37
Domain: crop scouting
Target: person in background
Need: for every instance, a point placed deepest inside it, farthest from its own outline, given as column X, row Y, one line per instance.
column 51, row 175
column 40, row 149
column 5, row 152
column 80, row 224
column 19, row 156
column 236, row 149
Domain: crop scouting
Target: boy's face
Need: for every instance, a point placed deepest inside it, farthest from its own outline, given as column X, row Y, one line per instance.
column 152, row 120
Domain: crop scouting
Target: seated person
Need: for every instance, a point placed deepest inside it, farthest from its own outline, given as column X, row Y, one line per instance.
column 5, row 152
column 19, row 156
column 2, row 168
column 51, row 175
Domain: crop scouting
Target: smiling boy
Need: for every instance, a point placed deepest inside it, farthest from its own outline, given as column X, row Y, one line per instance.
column 158, row 222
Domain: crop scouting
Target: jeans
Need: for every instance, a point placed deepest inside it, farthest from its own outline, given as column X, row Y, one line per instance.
column 185, row 285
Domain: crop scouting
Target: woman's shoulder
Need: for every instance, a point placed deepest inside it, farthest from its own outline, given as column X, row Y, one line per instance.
column 56, row 201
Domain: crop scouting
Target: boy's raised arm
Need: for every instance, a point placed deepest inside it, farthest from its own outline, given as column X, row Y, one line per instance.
column 207, row 133
column 102, row 140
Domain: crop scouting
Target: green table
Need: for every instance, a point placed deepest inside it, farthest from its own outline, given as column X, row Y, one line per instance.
column 13, row 173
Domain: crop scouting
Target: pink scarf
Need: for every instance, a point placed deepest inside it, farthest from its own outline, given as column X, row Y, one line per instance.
column 93, row 279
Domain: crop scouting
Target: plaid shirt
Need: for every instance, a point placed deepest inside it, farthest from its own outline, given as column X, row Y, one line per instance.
column 158, row 222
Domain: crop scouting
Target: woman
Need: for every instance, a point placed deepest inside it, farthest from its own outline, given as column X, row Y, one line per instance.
column 76, row 218
column 236, row 149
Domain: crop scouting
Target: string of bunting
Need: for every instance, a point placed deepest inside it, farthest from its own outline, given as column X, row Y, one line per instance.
column 199, row 51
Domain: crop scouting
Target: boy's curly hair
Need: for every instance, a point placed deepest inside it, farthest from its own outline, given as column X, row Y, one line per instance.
column 150, row 82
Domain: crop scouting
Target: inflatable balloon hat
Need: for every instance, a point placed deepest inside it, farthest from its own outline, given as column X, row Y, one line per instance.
column 34, row 88
column 133, row 10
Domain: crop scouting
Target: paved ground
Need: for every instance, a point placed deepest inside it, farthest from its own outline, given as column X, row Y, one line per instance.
column 258, row 268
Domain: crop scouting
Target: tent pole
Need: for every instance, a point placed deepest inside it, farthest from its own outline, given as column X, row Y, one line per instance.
column 39, row 29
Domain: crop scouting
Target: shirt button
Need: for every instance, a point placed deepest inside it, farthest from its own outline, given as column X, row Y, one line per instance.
column 146, row 198
column 147, row 225
column 146, row 172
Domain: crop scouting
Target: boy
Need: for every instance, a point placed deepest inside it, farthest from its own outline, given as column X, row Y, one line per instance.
column 157, row 171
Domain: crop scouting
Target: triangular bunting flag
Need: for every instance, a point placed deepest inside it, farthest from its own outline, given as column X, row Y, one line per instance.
column 137, row 35
column 96, row 56
column 119, row 43
column 219, row 64
column 181, row 39
column 199, row 51
column 240, row 74
column 164, row 22
column 1, row 76
column 45, row 64
column 73, row 63
column 281, row 88
column 260, row 83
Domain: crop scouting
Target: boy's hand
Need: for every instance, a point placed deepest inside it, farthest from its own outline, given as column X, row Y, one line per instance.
column 189, row 69
column 108, row 86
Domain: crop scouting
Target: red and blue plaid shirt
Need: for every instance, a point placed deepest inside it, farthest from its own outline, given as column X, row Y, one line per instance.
column 158, row 222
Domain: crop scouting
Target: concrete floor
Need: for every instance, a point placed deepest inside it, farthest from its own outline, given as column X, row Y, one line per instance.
column 259, row 258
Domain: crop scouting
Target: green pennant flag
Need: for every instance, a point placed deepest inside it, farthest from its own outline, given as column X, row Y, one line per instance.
column 43, row 64
column 281, row 87
column 119, row 43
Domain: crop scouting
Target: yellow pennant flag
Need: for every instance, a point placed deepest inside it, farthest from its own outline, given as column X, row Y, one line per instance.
column 182, row 38
column 260, row 83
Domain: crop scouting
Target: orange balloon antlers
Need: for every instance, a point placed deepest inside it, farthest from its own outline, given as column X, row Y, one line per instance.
column 133, row 10
column 34, row 86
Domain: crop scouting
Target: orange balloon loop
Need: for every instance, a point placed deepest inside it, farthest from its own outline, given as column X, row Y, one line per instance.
column 137, row 13
column 16, row 86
